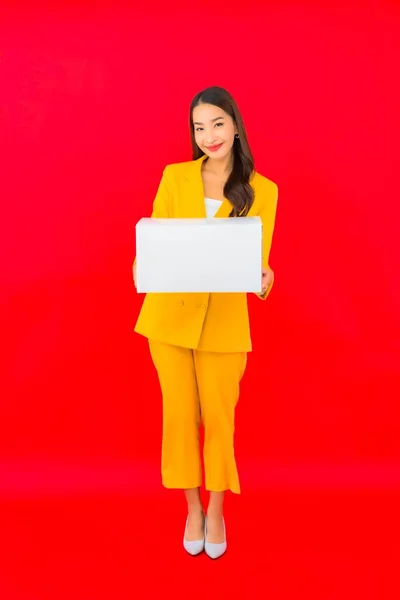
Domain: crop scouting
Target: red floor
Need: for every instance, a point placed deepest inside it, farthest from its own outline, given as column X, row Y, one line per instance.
column 112, row 541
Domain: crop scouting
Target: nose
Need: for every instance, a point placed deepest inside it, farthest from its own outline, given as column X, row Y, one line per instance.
column 210, row 140
column 209, row 137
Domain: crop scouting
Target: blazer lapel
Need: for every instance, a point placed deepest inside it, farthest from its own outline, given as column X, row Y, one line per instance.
column 193, row 191
column 224, row 210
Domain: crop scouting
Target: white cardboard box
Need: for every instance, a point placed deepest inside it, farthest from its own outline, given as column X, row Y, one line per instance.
column 199, row 255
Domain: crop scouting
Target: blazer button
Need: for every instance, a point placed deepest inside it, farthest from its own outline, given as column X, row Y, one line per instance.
column 181, row 303
column 203, row 306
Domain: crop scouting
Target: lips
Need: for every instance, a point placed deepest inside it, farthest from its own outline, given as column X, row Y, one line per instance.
column 214, row 148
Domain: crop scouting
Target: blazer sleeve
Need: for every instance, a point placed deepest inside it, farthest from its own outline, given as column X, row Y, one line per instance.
column 268, row 215
column 161, row 201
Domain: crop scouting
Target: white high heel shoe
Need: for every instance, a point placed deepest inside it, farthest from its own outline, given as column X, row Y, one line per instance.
column 214, row 550
column 194, row 547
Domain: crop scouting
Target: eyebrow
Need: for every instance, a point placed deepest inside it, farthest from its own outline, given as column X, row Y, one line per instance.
column 212, row 121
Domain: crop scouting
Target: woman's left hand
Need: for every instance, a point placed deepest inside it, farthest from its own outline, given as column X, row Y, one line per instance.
column 267, row 279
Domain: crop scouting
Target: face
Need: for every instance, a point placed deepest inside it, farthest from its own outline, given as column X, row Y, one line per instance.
column 214, row 130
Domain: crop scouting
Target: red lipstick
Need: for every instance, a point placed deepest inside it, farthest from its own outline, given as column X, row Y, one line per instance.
column 214, row 148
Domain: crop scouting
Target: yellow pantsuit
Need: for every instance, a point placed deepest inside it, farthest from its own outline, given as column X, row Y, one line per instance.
column 197, row 387
column 199, row 344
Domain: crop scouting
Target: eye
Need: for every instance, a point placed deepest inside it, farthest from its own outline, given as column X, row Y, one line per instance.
column 199, row 128
column 217, row 124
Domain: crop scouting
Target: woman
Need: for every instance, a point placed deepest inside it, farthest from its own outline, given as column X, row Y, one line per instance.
column 199, row 342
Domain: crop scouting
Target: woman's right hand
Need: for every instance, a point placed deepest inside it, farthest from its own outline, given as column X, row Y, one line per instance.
column 134, row 273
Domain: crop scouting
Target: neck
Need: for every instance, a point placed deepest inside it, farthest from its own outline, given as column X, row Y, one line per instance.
column 220, row 167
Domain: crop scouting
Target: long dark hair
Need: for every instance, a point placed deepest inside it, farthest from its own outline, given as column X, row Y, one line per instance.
column 237, row 189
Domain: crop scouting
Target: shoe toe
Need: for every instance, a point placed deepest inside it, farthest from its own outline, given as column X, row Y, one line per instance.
column 215, row 550
column 194, row 547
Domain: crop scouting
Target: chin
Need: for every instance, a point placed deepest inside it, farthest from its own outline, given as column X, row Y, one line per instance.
column 223, row 155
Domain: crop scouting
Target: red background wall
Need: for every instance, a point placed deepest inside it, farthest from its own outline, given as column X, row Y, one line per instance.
column 94, row 103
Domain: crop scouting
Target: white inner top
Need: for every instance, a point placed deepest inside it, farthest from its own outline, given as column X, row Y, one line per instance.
column 212, row 207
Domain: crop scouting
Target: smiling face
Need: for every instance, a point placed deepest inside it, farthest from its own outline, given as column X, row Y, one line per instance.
column 214, row 131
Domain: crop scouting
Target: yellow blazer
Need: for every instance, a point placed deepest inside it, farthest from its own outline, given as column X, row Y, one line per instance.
column 216, row 322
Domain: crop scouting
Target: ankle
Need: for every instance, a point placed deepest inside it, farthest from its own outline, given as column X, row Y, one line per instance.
column 215, row 513
column 196, row 511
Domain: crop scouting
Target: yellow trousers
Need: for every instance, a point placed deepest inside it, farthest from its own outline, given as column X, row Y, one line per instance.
column 198, row 387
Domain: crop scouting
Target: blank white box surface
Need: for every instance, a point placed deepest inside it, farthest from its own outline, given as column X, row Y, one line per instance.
column 199, row 255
